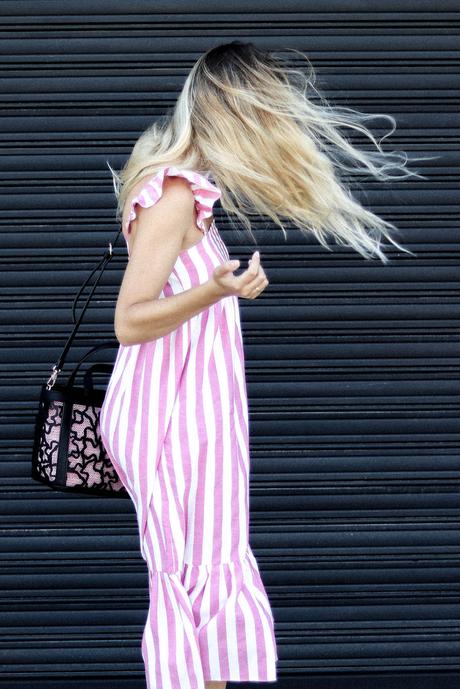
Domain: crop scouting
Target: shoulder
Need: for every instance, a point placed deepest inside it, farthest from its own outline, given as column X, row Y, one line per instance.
column 179, row 189
column 160, row 183
column 150, row 189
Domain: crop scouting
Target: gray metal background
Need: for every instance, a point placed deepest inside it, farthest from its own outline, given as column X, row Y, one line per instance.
column 352, row 366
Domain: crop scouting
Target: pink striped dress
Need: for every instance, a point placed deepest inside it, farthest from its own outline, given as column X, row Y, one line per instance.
column 175, row 424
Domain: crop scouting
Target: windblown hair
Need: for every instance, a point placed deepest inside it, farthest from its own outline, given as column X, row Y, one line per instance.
column 249, row 120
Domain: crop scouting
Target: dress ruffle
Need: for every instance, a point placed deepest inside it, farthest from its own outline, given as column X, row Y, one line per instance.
column 216, row 622
column 204, row 191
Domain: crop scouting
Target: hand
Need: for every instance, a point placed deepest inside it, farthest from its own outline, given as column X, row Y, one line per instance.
column 248, row 285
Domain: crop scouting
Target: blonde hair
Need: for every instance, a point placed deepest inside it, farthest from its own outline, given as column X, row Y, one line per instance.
column 250, row 121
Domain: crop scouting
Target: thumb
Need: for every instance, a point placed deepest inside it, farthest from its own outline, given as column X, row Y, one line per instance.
column 230, row 266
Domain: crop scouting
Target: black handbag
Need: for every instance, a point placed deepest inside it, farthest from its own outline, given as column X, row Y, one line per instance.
column 68, row 453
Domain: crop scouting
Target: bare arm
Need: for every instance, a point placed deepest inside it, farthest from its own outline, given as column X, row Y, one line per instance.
column 157, row 318
column 155, row 243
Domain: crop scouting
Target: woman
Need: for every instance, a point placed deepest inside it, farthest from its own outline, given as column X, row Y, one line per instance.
column 175, row 416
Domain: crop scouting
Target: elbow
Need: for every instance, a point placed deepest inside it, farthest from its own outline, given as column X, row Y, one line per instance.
column 129, row 333
column 125, row 337
column 121, row 337
column 123, row 332
column 121, row 340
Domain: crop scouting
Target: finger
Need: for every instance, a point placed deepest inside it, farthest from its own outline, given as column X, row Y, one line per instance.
column 253, row 271
column 249, row 280
column 256, row 293
column 254, row 261
column 255, row 288
column 227, row 267
column 259, row 286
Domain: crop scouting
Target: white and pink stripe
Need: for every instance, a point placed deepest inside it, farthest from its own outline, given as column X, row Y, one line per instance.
column 175, row 425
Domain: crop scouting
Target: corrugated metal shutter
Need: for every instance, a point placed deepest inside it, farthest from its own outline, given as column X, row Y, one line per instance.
column 352, row 366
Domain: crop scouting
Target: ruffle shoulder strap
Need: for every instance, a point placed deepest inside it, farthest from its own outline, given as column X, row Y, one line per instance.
column 205, row 193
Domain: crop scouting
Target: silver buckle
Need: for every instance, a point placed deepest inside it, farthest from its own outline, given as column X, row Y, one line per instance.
column 52, row 379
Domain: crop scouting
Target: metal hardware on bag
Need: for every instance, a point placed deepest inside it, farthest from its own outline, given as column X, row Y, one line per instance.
column 52, row 379
column 110, row 248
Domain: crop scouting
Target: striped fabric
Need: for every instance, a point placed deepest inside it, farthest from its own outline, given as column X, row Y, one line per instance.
column 204, row 191
column 175, row 424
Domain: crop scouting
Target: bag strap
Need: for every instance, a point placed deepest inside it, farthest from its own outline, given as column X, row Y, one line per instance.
column 96, row 348
column 57, row 368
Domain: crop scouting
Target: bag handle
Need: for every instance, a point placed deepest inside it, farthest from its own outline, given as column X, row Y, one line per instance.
column 88, row 380
column 101, row 265
column 102, row 345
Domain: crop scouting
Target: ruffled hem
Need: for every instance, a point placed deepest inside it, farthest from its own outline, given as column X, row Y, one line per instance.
column 205, row 193
column 209, row 622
